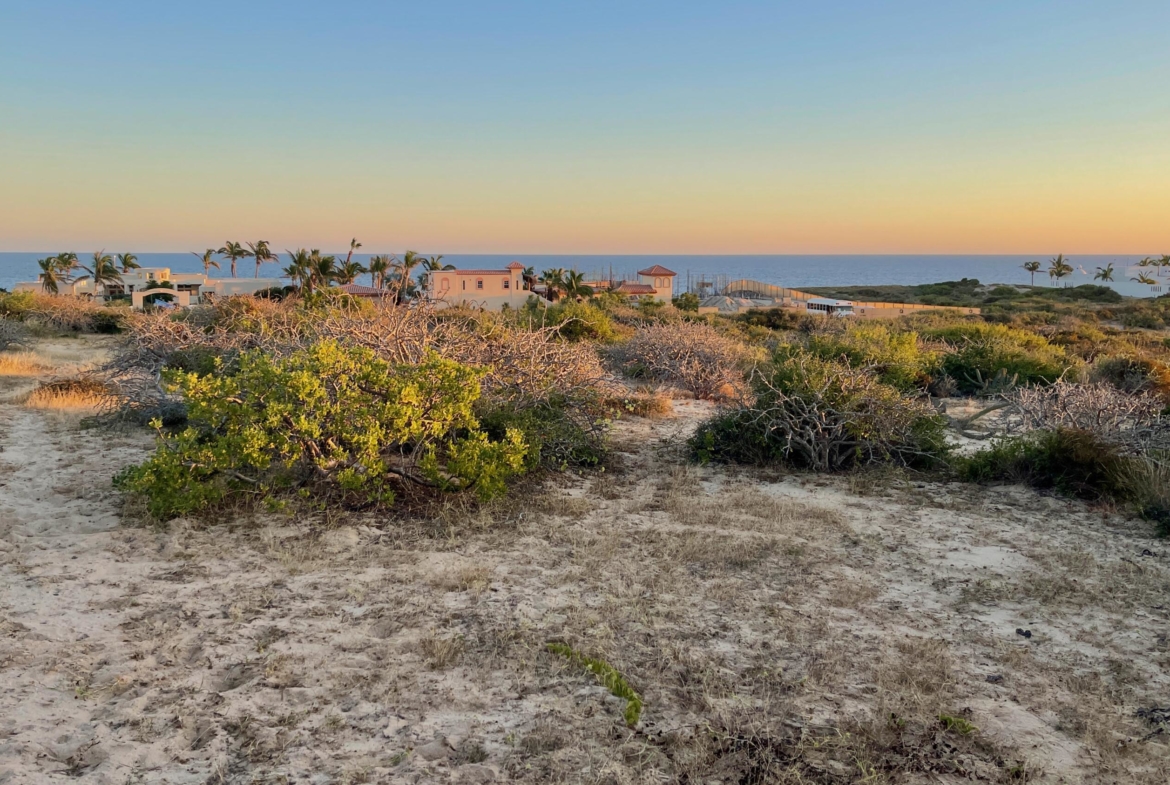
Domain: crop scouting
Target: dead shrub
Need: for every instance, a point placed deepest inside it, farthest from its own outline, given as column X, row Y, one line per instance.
column 12, row 334
column 692, row 355
column 1132, row 421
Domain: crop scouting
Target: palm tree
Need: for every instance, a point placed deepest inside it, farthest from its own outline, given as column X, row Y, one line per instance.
column 50, row 274
column 575, row 286
column 299, row 269
column 1104, row 273
column 353, row 246
column 378, row 268
column 554, row 282
column 208, row 262
column 1058, row 267
column 66, row 264
column 1032, row 267
column 129, row 261
column 429, row 266
column 322, row 270
column 348, row 272
column 1163, row 262
column 1143, row 278
column 529, row 276
column 233, row 252
column 103, row 270
column 260, row 251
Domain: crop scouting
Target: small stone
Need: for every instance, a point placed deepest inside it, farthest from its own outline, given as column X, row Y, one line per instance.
column 394, row 726
column 994, row 678
column 435, row 750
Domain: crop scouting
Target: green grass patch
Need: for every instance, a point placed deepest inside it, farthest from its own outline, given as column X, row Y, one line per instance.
column 608, row 675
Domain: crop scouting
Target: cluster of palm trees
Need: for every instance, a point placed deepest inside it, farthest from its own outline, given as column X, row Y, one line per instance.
column 103, row 270
column 559, row 283
column 1059, row 268
column 1159, row 263
column 233, row 252
column 310, row 270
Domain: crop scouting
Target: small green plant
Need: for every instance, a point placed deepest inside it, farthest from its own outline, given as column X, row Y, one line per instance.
column 957, row 724
column 609, row 676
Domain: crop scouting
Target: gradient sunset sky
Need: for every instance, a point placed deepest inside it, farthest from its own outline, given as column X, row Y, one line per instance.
column 599, row 127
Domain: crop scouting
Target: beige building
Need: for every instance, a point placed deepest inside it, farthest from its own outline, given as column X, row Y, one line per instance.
column 488, row 289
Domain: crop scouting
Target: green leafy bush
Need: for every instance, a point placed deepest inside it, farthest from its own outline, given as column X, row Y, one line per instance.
column 580, row 322
column 1133, row 374
column 687, row 301
column 329, row 419
column 895, row 357
column 824, row 415
column 981, row 354
column 1071, row 462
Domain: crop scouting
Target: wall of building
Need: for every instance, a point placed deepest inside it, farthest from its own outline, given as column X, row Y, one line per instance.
column 490, row 290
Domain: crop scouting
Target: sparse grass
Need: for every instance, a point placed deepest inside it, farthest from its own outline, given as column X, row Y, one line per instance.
column 475, row 579
column 22, row 364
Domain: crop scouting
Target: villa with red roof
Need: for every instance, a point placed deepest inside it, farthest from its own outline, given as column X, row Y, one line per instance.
column 493, row 289
column 487, row 289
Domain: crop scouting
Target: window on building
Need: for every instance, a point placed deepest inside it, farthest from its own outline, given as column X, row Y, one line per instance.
column 507, row 284
column 478, row 283
column 465, row 286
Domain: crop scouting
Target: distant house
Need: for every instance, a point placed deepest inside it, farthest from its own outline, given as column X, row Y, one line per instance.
column 179, row 288
column 488, row 289
column 655, row 282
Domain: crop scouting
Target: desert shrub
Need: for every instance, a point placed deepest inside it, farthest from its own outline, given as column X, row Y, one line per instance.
column 13, row 334
column 327, row 419
column 687, row 301
column 983, row 356
column 691, row 355
column 556, row 434
column 522, row 366
column 576, row 321
column 652, row 404
column 1133, row 374
column 783, row 319
column 895, row 357
column 1146, row 483
column 1131, row 421
column 823, row 415
column 14, row 305
column 1072, row 462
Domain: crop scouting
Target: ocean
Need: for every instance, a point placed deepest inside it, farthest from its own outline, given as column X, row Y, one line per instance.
column 786, row 270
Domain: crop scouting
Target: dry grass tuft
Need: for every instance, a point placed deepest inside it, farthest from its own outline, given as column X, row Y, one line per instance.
column 475, row 579
column 73, row 395
column 440, row 652
column 21, row 364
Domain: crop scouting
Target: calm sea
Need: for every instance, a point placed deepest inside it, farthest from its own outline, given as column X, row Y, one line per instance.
column 785, row 270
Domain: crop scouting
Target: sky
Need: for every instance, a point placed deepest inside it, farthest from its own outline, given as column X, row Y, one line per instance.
column 967, row 126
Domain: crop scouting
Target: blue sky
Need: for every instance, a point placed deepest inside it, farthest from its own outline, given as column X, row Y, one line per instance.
column 543, row 127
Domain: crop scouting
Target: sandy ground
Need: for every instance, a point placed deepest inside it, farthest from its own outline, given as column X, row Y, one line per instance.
column 870, row 628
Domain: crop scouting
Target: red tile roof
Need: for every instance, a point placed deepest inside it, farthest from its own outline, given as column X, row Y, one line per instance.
column 515, row 266
column 356, row 290
column 657, row 270
column 635, row 288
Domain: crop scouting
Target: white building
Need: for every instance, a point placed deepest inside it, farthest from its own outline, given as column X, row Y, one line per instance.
column 180, row 288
